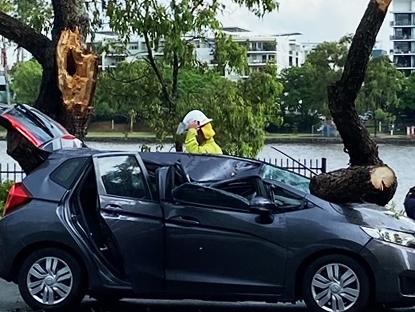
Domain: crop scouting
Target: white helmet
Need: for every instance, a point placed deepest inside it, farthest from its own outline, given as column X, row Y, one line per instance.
column 194, row 115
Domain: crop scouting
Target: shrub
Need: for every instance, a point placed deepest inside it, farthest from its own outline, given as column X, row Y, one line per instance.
column 4, row 191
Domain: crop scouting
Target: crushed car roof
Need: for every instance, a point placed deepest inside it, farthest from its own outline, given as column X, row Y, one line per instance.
column 201, row 168
column 206, row 167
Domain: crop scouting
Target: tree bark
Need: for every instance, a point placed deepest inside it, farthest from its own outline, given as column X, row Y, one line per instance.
column 374, row 184
column 69, row 15
column 342, row 95
column 348, row 184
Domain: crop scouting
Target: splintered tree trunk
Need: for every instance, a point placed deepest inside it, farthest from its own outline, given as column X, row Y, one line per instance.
column 368, row 178
column 69, row 70
column 77, row 72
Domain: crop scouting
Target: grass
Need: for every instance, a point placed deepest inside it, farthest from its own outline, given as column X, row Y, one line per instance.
column 111, row 134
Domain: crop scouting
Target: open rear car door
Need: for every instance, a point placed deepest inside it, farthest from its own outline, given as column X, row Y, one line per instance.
column 32, row 136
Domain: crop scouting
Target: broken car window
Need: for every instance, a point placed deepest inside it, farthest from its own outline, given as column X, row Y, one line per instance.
column 280, row 175
column 245, row 188
column 286, row 200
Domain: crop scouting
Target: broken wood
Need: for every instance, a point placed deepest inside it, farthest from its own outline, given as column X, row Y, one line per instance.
column 354, row 184
column 374, row 184
column 77, row 73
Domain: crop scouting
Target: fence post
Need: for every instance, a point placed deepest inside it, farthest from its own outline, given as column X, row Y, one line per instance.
column 323, row 165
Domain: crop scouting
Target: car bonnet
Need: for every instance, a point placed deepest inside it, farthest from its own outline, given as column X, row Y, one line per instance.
column 375, row 216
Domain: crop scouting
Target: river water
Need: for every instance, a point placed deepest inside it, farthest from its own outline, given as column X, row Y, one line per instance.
column 400, row 157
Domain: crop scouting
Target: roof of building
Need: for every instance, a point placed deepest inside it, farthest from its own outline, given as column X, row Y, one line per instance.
column 235, row 29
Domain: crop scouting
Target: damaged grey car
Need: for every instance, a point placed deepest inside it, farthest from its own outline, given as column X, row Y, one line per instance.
column 119, row 225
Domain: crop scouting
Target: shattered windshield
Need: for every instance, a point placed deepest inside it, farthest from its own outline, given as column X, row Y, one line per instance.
column 277, row 174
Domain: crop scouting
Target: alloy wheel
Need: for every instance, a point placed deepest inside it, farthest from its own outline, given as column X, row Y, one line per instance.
column 335, row 287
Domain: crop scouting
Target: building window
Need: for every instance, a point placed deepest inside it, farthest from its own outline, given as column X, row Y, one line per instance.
column 134, row 46
column 403, row 33
column 403, row 19
column 290, row 61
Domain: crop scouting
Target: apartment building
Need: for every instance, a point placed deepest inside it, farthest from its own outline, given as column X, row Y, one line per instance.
column 282, row 49
column 403, row 37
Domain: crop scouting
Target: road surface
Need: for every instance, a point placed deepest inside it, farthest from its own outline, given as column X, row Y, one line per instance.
column 10, row 301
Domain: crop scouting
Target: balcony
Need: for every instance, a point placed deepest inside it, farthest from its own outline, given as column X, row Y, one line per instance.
column 403, row 52
column 264, row 47
column 404, row 67
column 403, row 64
column 402, row 37
column 406, row 23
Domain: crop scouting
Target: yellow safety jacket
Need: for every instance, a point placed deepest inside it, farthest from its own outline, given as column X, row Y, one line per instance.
column 208, row 147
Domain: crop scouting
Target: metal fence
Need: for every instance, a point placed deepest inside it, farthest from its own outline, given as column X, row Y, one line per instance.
column 304, row 167
column 11, row 172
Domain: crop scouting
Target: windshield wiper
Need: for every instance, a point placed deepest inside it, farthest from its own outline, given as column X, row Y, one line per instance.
column 36, row 119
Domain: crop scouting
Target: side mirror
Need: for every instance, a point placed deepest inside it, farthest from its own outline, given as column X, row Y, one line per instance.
column 264, row 208
column 261, row 205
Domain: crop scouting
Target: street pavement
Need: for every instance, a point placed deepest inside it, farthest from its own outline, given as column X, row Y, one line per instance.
column 10, row 301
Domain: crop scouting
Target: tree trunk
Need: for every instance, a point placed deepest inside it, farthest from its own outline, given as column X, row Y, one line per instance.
column 374, row 184
column 349, row 185
column 74, row 78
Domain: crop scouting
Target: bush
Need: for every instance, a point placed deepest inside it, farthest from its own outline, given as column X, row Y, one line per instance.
column 4, row 191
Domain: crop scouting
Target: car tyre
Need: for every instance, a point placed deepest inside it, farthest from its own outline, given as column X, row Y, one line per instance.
column 336, row 283
column 51, row 280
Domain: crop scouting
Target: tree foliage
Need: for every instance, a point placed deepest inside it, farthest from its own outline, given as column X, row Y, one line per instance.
column 240, row 111
column 37, row 14
column 327, row 60
column 26, row 79
column 300, row 106
column 229, row 54
column 407, row 94
column 171, row 27
column 382, row 85
column 4, row 191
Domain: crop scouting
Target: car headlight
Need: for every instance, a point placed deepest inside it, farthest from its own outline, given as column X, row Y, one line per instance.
column 390, row 236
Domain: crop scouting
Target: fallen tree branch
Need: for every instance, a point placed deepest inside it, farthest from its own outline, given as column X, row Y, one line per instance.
column 342, row 95
column 368, row 179
column 373, row 184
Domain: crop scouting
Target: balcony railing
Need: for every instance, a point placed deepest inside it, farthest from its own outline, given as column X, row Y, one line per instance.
column 402, row 37
column 403, row 52
column 403, row 65
column 403, row 23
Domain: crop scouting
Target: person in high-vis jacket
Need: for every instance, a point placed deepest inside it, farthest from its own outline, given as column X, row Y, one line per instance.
column 200, row 134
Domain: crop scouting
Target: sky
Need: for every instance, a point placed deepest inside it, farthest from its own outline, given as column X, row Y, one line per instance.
column 317, row 20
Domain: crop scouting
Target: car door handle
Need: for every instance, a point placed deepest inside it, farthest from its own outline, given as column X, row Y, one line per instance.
column 184, row 220
column 112, row 210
